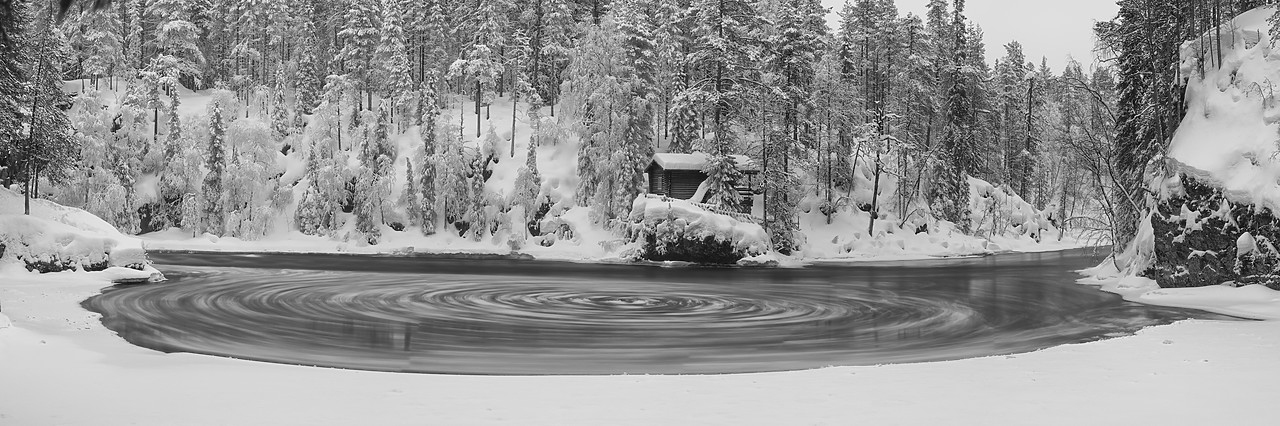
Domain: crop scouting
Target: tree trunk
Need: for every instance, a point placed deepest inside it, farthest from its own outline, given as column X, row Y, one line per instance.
column 513, row 124
column 1025, row 171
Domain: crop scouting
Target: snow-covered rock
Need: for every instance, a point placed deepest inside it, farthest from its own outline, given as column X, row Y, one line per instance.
column 57, row 238
column 1214, row 221
column 681, row 230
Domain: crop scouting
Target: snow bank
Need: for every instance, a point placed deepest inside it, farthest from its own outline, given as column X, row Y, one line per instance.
column 56, row 238
column 1251, row 301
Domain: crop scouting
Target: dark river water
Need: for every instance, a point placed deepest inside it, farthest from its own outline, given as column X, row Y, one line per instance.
column 504, row 316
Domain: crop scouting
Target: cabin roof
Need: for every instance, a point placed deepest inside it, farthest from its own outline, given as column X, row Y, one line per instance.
column 697, row 161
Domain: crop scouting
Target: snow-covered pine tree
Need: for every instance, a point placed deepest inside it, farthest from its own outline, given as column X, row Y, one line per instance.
column 722, row 175
column 306, row 81
column 373, row 181
column 427, row 22
column 482, row 66
column 173, row 176
column 360, row 36
column 312, row 217
column 636, row 147
column 46, row 149
column 103, row 52
column 368, row 195
column 1147, row 36
column 959, row 153
column 918, row 96
column 526, row 198
column 453, row 189
column 326, row 177
column 411, row 199
column 557, row 39
column 676, row 45
column 528, row 189
column 723, row 49
column 428, row 111
column 518, row 58
column 1010, row 77
column 281, row 124
column 593, row 98
column 179, row 39
column 792, row 55
column 391, row 62
column 478, row 204
column 215, row 163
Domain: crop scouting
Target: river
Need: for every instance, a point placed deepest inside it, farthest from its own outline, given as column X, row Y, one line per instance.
column 457, row 315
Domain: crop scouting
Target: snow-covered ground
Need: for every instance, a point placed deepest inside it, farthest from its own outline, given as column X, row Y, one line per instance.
column 58, row 365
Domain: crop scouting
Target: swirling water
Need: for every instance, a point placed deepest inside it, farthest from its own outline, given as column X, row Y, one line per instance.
column 505, row 316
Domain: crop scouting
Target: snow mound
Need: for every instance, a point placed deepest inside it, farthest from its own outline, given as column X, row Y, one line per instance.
column 669, row 219
column 1229, row 134
column 55, row 237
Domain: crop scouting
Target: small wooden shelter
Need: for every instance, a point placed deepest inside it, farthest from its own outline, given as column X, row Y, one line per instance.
column 679, row 176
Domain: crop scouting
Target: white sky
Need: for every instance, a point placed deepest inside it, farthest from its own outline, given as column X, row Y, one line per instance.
column 1053, row 29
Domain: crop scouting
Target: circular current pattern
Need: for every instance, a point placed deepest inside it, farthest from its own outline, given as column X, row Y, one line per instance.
column 500, row 316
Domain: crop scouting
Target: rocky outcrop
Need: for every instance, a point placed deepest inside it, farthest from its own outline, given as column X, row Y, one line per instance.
column 1202, row 238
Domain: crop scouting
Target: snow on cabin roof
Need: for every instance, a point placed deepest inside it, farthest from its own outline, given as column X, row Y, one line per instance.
column 698, row 161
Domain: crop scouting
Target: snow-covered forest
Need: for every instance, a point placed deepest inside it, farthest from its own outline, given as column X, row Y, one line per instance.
column 525, row 122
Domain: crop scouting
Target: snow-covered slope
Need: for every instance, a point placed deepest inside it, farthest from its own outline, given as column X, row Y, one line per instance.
column 1229, row 135
column 999, row 221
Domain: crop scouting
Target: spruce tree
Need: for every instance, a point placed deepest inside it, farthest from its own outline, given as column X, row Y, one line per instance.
column 792, row 56
column 306, row 81
column 392, row 68
column 411, row 198
column 723, row 47
column 215, row 164
column 428, row 112
column 959, row 155
column 360, row 36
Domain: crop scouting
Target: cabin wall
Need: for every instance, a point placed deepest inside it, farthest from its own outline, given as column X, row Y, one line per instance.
column 683, row 184
column 657, row 182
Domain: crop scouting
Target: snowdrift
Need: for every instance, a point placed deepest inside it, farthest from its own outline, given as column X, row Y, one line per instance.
column 58, row 238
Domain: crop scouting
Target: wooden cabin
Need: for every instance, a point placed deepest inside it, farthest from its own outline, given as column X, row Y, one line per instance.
column 679, row 176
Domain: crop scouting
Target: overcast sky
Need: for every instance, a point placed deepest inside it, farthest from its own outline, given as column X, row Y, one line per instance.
column 1051, row 29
